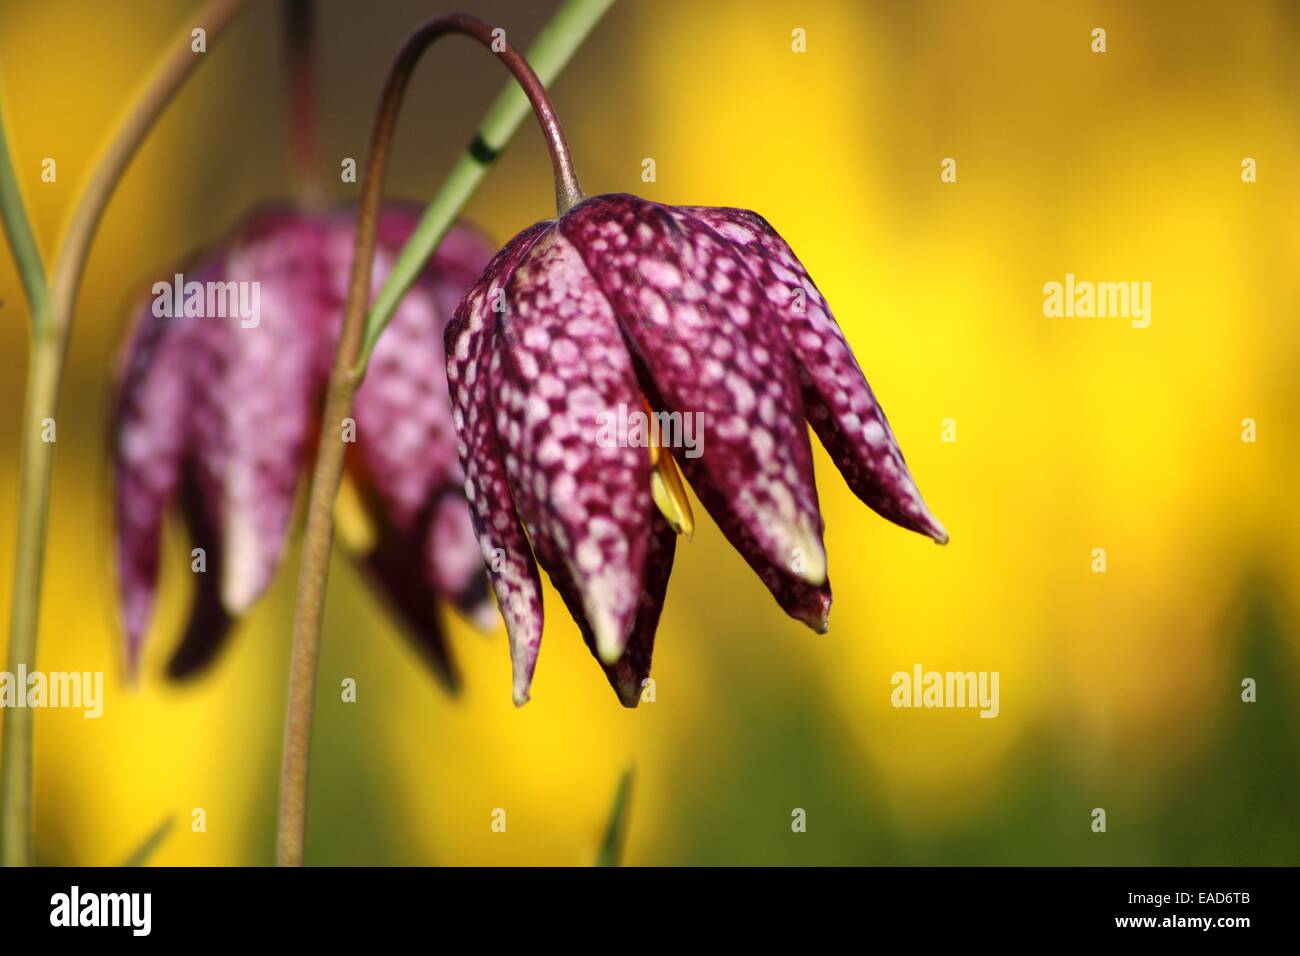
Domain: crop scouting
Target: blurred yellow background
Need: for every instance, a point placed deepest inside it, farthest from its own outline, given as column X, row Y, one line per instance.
column 1119, row 690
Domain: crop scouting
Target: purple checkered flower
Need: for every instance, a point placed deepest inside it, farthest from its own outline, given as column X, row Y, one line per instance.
column 218, row 411
column 693, row 314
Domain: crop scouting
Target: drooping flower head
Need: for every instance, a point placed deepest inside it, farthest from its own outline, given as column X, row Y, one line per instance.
column 680, row 315
column 218, row 409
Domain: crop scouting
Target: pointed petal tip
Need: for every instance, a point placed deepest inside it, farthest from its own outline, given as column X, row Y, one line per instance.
column 484, row 617
column 810, row 605
column 131, row 653
column 629, row 695
column 449, row 681
column 523, row 654
column 442, row 669
column 818, row 618
column 242, row 581
column 131, row 673
column 236, row 598
column 522, row 666
column 930, row 525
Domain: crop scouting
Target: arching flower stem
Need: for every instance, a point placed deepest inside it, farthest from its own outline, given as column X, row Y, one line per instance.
column 575, row 21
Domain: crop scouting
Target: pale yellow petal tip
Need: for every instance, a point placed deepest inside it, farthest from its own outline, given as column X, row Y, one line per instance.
column 239, row 589
column 931, row 526
column 244, row 576
column 523, row 687
column 816, row 578
column 609, row 646
column 809, row 562
column 938, row 532
column 798, row 550
column 609, row 637
column 522, row 663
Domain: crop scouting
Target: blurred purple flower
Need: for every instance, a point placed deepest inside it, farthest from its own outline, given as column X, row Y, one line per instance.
column 628, row 304
column 220, row 412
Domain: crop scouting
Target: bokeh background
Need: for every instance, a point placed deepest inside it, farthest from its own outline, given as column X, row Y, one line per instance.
column 1118, row 690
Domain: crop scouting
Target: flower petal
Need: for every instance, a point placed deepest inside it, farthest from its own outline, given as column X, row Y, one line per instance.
column 453, row 563
column 257, row 395
column 504, row 547
column 562, row 380
column 232, row 400
column 629, row 674
column 805, row 602
column 406, row 446
column 699, row 326
column 405, row 458
column 149, row 435
column 839, row 402
column 209, row 624
column 395, row 568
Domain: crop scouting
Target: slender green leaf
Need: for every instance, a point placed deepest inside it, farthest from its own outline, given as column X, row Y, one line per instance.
column 18, row 228
column 140, row 856
column 611, row 847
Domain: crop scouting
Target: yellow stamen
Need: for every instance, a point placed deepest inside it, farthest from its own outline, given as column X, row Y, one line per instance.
column 666, row 485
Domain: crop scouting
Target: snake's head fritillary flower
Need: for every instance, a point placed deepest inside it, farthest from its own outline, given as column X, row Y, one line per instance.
column 218, row 407
column 601, row 352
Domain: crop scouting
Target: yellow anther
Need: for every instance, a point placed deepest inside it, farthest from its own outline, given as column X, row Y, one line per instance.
column 666, row 485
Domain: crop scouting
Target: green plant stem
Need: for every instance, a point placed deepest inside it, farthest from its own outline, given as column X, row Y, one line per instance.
column 37, row 461
column 27, row 255
column 52, row 326
column 548, row 56
column 349, row 368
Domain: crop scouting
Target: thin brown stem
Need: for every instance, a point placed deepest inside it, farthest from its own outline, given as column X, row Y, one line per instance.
column 299, row 35
column 346, row 377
